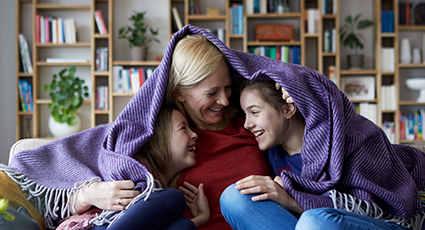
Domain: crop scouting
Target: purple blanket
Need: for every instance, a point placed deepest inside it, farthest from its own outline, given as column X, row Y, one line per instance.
column 343, row 152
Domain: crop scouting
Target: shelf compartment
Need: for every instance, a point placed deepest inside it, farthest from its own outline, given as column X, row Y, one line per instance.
column 62, row 7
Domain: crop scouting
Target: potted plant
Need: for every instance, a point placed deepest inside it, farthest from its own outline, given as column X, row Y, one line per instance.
column 139, row 35
column 353, row 39
column 67, row 93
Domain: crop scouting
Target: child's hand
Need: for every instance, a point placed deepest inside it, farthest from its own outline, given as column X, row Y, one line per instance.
column 285, row 94
column 197, row 203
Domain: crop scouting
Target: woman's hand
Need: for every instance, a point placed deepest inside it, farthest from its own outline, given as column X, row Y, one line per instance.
column 113, row 195
column 285, row 94
column 269, row 190
column 197, row 203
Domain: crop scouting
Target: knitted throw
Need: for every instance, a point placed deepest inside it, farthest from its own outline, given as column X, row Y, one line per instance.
column 348, row 162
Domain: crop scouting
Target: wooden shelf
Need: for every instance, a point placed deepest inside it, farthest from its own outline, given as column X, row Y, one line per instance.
column 101, row 112
column 136, row 63
column 105, row 36
column 411, row 28
column 285, row 15
column 207, row 17
column 283, row 43
column 101, row 73
column 411, row 103
column 358, row 72
column 62, row 7
column 82, row 44
column 43, row 63
column 123, row 94
column 401, row 65
column 21, row 74
column 47, row 101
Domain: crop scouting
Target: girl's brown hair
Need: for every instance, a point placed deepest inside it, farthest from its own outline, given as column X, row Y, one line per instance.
column 157, row 151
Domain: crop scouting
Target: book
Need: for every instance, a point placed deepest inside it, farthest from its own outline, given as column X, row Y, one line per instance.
column 25, row 54
column 177, row 19
column 100, row 22
column 135, row 80
column 117, row 79
column 37, row 28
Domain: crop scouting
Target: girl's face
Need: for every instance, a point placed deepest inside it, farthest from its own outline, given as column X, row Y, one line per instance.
column 204, row 103
column 268, row 126
column 182, row 143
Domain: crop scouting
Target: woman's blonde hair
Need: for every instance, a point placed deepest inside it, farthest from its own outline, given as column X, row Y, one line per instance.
column 194, row 59
column 157, row 151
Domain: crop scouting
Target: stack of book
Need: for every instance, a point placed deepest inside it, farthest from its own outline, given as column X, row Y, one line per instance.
column 388, row 98
column 25, row 54
column 411, row 13
column 367, row 110
column 236, row 18
column 100, row 22
column 411, row 126
column 388, row 59
column 329, row 40
column 101, row 59
column 288, row 54
column 55, row 30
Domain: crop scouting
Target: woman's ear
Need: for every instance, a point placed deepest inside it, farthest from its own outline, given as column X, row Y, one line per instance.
column 290, row 109
column 179, row 96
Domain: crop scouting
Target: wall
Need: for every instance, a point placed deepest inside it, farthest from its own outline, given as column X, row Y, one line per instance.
column 7, row 78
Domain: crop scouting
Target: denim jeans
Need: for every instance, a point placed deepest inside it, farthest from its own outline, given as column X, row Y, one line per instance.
column 243, row 213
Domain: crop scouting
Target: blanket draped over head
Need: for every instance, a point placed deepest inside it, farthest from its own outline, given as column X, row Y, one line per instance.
column 348, row 163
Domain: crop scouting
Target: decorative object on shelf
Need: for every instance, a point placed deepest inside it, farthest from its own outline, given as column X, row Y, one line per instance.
column 213, row 11
column 359, row 87
column 67, row 94
column 138, row 36
column 417, row 84
column 274, row 32
column 352, row 39
column 416, row 56
column 405, row 53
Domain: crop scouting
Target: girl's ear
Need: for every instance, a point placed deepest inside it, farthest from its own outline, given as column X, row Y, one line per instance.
column 290, row 109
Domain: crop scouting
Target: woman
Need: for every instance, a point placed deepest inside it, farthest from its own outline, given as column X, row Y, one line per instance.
column 201, row 84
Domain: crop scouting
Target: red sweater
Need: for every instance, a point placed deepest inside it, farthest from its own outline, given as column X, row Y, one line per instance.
column 222, row 158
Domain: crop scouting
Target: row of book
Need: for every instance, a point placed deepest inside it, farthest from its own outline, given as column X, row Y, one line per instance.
column 100, row 23
column 411, row 126
column 55, row 30
column 102, row 98
column 329, row 40
column 387, row 59
column 367, row 110
column 387, row 21
column 129, row 80
column 25, row 96
column 267, row 6
column 25, row 54
column 236, row 18
column 288, row 54
column 388, row 97
column 329, row 7
column 101, row 59
column 194, row 7
column 411, row 13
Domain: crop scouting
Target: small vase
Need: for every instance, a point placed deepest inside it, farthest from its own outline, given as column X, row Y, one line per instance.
column 139, row 53
column 355, row 62
column 60, row 130
column 416, row 56
column 405, row 54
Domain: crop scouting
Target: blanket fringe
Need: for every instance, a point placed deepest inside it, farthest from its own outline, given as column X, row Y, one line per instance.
column 48, row 202
column 349, row 203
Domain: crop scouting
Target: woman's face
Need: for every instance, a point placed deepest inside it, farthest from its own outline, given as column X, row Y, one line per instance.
column 267, row 125
column 205, row 102
column 182, row 143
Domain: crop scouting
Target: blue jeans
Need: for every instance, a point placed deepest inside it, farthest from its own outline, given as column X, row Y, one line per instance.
column 243, row 213
column 163, row 210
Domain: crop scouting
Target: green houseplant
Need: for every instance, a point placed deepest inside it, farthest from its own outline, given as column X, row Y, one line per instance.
column 67, row 93
column 139, row 35
column 353, row 39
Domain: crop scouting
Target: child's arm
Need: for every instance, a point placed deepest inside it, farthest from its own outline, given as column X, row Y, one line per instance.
column 197, row 203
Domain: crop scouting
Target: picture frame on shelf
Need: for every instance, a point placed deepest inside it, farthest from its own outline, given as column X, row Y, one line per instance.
column 359, row 87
